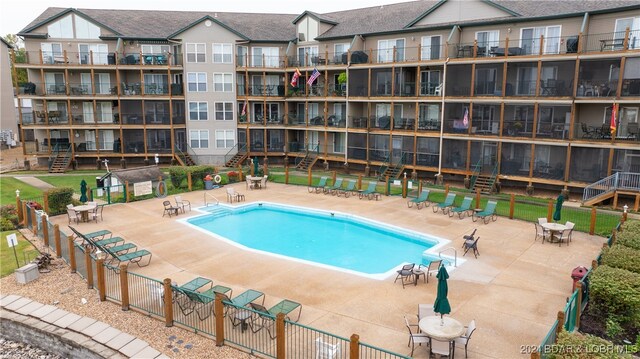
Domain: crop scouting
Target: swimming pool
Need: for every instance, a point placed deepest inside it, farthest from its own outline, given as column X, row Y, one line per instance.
column 331, row 239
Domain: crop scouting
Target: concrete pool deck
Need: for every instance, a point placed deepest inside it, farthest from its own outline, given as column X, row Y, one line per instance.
column 513, row 290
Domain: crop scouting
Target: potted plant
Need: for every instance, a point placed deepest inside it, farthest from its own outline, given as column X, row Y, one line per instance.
column 342, row 83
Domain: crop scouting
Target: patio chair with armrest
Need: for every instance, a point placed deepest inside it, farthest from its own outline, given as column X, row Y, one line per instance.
column 464, row 339
column 540, row 232
column 422, row 199
column 370, row 192
column 351, row 187
column 440, row 347
column 431, row 267
column 319, row 187
column 425, row 310
column 488, row 214
column 182, row 203
column 233, row 195
column 446, row 205
column 263, row 182
column 169, row 209
column 415, row 338
column 73, row 215
column 406, row 274
column 570, row 226
column 265, row 318
column 471, row 244
column 336, row 187
column 465, row 208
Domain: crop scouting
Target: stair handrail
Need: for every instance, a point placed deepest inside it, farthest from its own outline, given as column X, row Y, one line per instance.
column 386, row 164
column 626, row 180
column 212, row 196
column 455, row 255
column 191, row 153
column 238, row 147
column 475, row 173
column 181, row 155
column 53, row 155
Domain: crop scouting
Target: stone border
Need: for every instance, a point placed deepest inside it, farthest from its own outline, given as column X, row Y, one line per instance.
column 67, row 334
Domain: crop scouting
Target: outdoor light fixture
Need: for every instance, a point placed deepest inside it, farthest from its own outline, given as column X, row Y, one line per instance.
column 625, row 208
column 157, row 159
column 18, row 193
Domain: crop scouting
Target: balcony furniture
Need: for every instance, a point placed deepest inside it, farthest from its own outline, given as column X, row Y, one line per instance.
column 79, row 90
column 611, row 44
column 512, row 51
column 572, row 45
column 29, row 88
column 548, row 88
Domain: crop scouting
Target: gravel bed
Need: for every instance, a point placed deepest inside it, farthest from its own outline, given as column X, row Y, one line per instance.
column 15, row 350
column 67, row 290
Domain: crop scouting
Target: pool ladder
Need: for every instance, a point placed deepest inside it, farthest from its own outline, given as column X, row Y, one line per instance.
column 455, row 255
column 212, row 196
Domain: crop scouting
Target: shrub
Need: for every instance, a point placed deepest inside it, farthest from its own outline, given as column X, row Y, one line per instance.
column 178, row 174
column 576, row 345
column 6, row 224
column 629, row 235
column 623, row 257
column 615, row 292
column 59, row 198
column 9, row 213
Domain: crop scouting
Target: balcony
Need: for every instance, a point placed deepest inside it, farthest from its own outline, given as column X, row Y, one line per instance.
column 91, row 58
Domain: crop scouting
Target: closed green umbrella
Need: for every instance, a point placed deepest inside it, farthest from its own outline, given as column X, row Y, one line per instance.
column 441, row 305
column 255, row 166
column 83, row 191
column 558, row 211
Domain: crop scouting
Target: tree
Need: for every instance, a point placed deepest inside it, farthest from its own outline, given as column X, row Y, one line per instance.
column 21, row 56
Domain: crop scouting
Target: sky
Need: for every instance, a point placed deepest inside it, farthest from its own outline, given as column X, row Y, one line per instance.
column 16, row 14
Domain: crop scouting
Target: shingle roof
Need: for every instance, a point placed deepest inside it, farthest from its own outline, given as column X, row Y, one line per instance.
column 157, row 24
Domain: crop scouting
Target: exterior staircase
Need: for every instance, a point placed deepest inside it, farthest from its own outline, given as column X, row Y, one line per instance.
column 618, row 183
column 392, row 170
column 184, row 158
column 60, row 159
column 307, row 162
column 235, row 156
column 483, row 180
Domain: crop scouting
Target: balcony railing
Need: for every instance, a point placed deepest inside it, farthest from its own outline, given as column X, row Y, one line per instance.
column 97, row 58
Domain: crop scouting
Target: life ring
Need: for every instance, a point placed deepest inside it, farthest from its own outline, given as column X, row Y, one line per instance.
column 161, row 189
column 217, row 179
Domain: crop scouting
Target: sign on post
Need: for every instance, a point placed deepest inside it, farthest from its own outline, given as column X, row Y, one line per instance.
column 142, row 188
column 12, row 240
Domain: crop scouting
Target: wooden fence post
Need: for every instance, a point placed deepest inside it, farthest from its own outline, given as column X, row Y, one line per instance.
column 477, row 198
column 19, row 209
column 594, row 264
column 404, row 187
column 126, row 191
column 34, row 222
column 72, row 254
column 218, row 311
column 446, row 190
column 168, row 300
column 387, row 190
column 309, row 177
column 280, row 337
column 87, row 263
column 240, row 173
column 535, row 355
column 45, row 229
column 189, row 182
column 333, row 178
column 560, row 325
column 45, row 202
column 592, row 223
column 124, row 287
column 286, row 175
column 359, row 182
column 419, row 187
column 25, row 221
column 549, row 210
column 56, row 238
column 102, row 293
column 579, row 304
column 512, row 205
column 354, row 346
column 614, row 234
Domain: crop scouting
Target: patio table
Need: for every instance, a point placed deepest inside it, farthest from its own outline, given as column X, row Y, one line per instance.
column 446, row 329
column 554, row 228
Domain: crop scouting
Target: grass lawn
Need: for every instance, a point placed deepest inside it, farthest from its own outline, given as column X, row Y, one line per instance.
column 9, row 185
column 26, row 252
column 72, row 181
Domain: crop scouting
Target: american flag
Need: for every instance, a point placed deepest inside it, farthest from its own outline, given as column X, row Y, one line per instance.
column 294, row 78
column 244, row 109
column 313, row 77
column 465, row 118
column 614, row 114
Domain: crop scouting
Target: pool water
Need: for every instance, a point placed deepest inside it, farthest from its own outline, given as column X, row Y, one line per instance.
column 326, row 238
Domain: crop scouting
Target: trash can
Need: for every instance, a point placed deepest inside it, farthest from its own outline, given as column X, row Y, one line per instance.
column 208, row 185
column 577, row 274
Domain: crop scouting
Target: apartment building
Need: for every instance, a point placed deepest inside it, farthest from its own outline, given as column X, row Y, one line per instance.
column 523, row 91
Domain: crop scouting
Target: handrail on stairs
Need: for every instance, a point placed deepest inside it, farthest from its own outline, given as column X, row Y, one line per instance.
column 238, row 148
column 212, row 196
column 455, row 255
column 618, row 180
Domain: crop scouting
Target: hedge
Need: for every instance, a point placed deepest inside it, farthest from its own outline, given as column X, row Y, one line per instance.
column 629, row 235
column 622, row 257
column 59, row 198
column 615, row 291
column 178, row 174
column 581, row 346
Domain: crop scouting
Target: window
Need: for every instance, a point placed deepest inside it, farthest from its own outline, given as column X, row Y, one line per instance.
column 154, row 49
column 222, row 53
column 264, row 57
column 222, row 82
column 199, row 138
column 104, row 114
column 51, row 52
column 338, row 142
column 530, row 39
column 155, row 84
column 198, row 111
column 54, row 83
column 633, row 23
column 430, row 47
column 339, row 51
column 102, row 84
column 486, row 40
column 242, row 54
column 307, row 29
column 223, row 111
column 225, row 138
column 86, row 30
column 61, row 29
column 93, row 53
column 386, row 47
column 197, row 81
column 308, row 55
column 196, row 52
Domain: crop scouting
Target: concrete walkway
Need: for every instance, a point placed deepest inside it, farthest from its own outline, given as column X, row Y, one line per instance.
column 86, row 335
column 35, row 182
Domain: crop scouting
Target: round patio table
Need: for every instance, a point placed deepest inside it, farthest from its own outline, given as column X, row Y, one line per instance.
column 84, row 211
column 554, row 228
column 444, row 330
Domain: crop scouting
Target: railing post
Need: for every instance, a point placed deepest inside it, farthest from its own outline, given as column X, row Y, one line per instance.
column 218, row 311
column 72, row 254
column 240, row 173
column 512, row 205
column 45, row 202
column 124, row 287
column 19, row 209
column 126, row 191
column 87, row 263
column 419, row 187
column 286, row 175
column 359, row 182
column 614, row 234
column 560, row 325
column 56, row 238
column 102, row 293
column 333, row 178
column 549, row 210
column 309, row 177
column 535, row 355
column 168, row 302
column 354, row 346
column 592, row 222
column 34, row 222
column 446, row 190
column 477, row 198
column 615, row 200
column 387, row 190
column 189, row 181
column 579, row 304
column 280, row 337
column 25, row 221
column 404, row 187
column 45, row 229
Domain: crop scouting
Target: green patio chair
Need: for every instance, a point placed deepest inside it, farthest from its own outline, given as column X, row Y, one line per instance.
column 238, row 315
column 422, row 199
column 351, row 187
column 489, row 213
column 319, row 187
column 335, row 188
column 446, row 205
column 465, row 208
column 370, row 192
column 262, row 317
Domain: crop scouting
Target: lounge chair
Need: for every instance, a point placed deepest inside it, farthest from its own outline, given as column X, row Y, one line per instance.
column 351, row 187
column 489, row 213
column 370, row 192
column 336, row 186
column 465, row 208
column 471, row 244
column 319, row 187
column 421, row 200
column 169, row 209
column 406, row 274
column 197, row 283
column 182, row 203
column 265, row 318
column 133, row 257
column 446, row 205
column 202, row 302
column 415, row 338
